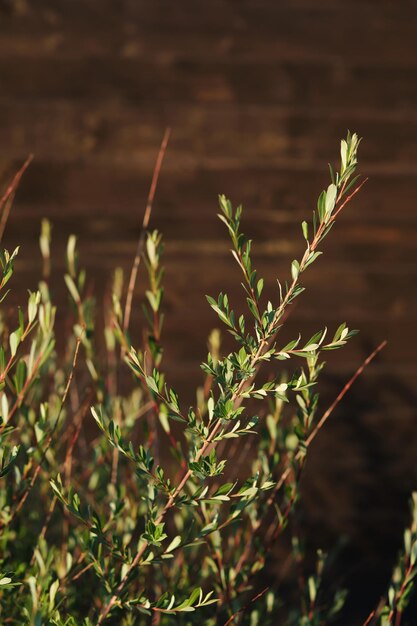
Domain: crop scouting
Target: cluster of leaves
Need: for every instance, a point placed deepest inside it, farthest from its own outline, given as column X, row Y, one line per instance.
column 98, row 523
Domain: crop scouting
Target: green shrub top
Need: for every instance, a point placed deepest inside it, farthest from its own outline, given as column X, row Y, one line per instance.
column 161, row 513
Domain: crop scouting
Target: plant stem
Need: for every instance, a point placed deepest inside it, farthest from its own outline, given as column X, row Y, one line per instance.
column 5, row 205
column 263, row 346
column 145, row 223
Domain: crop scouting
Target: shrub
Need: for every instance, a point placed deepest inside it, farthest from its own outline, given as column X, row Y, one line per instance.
column 101, row 525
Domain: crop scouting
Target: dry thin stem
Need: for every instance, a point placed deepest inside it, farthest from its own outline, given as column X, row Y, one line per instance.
column 369, row 618
column 145, row 223
column 374, row 613
column 6, row 200
column 233, row 617
column 343, row 392
column 136, row 262
column 349, row 198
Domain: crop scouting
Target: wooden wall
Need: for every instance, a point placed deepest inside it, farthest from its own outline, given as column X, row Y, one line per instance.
column 258, row 94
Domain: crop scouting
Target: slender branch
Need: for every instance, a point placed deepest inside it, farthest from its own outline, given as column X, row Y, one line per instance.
column 136, row 262
column 5, row 205
column 369, row 618
column 145, row 222
column 343, row 392
column 349, row 197
column 257, row 597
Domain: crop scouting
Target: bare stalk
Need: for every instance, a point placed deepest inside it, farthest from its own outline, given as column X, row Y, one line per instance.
column 145, row 223
column 6, row 200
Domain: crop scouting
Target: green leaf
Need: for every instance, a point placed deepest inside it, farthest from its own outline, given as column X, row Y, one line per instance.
column 330, row 200
column 14, row 341
column 71, row 255
column 72, row 288
column 321, row 203
column 304, row 227
column 295, row 269
column 174, row 544
column 253, row 309
column 4, row 405
column 259, row 287
column 343, row 154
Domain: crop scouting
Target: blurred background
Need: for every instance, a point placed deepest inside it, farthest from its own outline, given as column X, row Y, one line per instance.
column 258, row 94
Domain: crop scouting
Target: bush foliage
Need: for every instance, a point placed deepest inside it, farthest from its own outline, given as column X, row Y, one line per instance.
column 120, row 505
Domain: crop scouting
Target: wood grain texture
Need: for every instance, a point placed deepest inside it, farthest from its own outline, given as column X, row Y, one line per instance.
column 258, row 93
